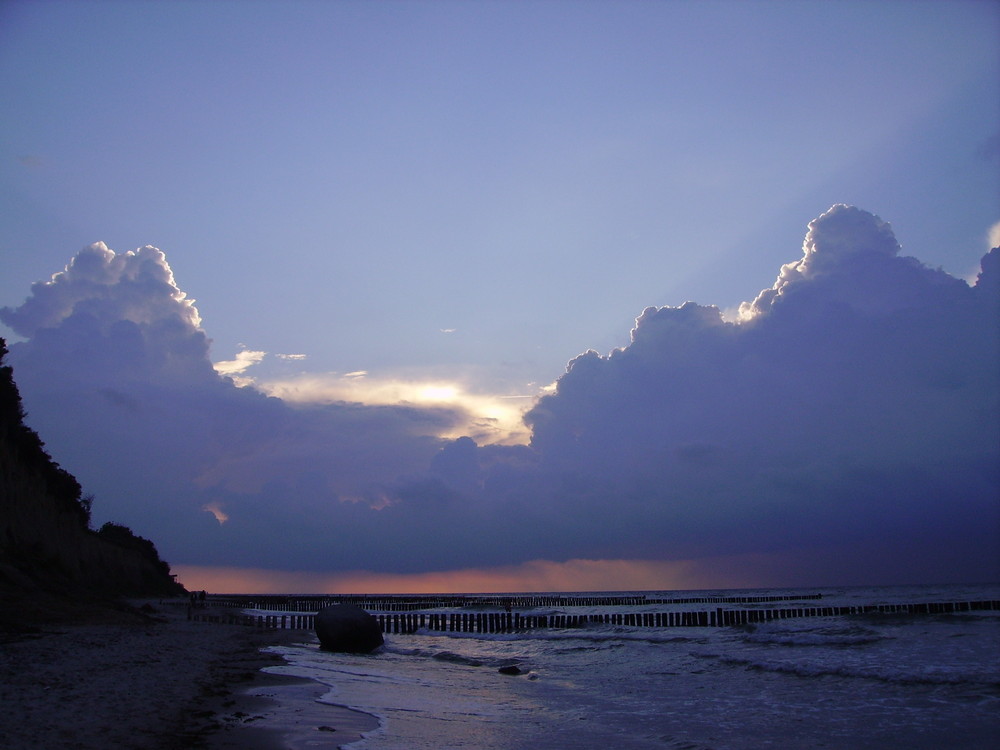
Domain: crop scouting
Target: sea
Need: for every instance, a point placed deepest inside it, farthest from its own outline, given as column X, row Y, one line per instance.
column 851, row 682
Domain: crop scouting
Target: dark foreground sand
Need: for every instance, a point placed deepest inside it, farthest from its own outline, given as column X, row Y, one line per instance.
column 149, row 679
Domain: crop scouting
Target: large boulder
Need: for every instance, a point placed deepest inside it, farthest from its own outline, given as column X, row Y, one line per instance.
column 347, row 628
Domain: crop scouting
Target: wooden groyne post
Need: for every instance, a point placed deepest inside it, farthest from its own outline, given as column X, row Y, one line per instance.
column 403, row 620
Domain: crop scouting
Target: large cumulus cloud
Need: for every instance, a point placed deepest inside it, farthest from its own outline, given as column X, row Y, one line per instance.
column 853, row 409
column 116, row 375
column 846, row 423
column 120, row 314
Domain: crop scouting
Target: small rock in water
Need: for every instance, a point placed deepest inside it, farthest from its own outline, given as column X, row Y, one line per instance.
column 326, row 729
column 512, row 669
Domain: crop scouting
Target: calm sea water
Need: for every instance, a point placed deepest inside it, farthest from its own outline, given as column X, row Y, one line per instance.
column 856, row 682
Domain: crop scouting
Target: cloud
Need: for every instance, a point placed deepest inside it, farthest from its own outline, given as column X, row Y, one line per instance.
column 843, row 237
column 118, row 316
column 488, row 418
column 244, row 359
column 117, row 375
column 136, row 286
column 993, row 235
column 216, row 510
column 844, row 427
column 854, row 405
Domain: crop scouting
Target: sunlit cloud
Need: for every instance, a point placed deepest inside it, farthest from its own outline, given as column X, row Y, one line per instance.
column 489, row 418
column 137, row 286
column 216, row 510
column 732, row 314
column 993, row 235
column 244, row 360
column 291, row 356
column 433, row 393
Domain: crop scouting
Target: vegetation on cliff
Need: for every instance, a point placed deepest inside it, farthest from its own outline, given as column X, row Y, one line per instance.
column 27, row 449
column 46, row 543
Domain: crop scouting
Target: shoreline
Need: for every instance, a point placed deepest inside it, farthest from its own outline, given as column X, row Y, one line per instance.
column 275, row 711
column 144, row 677
column 283, row 713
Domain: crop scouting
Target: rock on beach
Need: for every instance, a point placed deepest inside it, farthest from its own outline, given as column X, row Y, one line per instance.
column 348, row 628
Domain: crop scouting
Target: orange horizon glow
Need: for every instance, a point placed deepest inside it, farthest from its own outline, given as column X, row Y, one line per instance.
column 535, row 576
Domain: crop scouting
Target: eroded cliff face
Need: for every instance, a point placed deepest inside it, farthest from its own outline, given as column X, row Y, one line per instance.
column 46, row 544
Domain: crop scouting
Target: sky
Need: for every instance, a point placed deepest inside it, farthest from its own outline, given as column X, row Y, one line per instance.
column 404, row 296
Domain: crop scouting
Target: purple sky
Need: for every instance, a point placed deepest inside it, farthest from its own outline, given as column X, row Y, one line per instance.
column 385, row 228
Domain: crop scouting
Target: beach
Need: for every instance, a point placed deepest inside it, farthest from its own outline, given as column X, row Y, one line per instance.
column 145, row 677
column 892, row 679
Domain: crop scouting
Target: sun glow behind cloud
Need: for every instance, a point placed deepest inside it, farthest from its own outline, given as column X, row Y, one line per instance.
column 993, row 236
column 432, row 393
column 490, row 418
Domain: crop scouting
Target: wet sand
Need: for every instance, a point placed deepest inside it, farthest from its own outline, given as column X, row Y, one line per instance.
column 149, row 679
column 292, row 719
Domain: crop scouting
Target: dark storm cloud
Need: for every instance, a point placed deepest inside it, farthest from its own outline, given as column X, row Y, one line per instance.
column 116, row 375
column 848, row 421
column 853, row 407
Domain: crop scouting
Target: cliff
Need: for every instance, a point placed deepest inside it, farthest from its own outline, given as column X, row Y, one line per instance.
column 46, row 545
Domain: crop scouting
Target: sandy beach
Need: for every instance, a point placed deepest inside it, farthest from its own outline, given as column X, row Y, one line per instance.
column 146, row 677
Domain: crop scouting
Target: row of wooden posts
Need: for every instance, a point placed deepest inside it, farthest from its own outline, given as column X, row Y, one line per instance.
column 502, row 622
column 402, row 603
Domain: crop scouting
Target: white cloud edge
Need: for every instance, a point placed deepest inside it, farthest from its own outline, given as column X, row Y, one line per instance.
column 993, row 236
column 244, row 360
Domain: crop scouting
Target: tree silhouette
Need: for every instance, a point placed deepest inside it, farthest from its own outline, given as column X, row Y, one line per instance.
column 29, row 450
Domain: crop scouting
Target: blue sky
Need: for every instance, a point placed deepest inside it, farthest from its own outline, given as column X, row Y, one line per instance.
column 348, row 179
column 443, row 203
